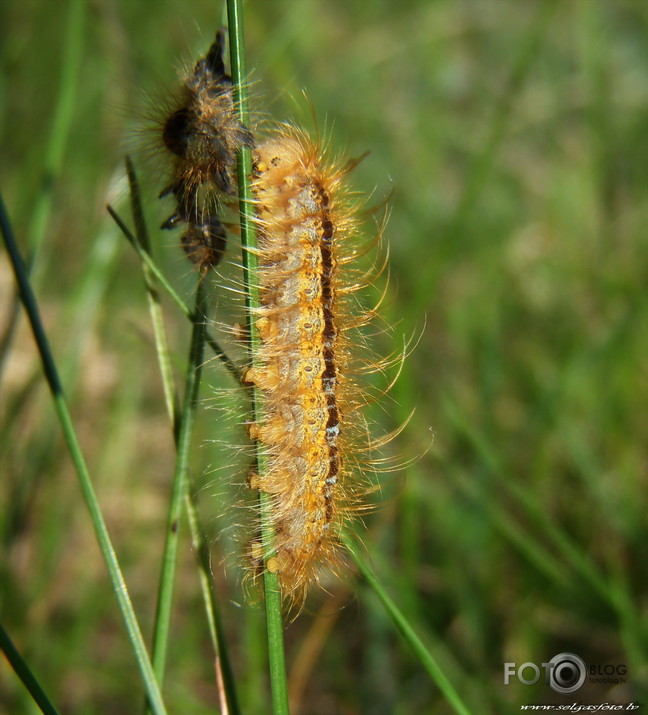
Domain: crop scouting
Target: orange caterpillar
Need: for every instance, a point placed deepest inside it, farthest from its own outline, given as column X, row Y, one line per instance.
column 306, row 235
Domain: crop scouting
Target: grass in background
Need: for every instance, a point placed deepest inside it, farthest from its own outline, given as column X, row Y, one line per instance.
column 514, row 138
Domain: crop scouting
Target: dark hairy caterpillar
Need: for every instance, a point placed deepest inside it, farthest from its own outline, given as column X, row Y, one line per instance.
column 204, row 134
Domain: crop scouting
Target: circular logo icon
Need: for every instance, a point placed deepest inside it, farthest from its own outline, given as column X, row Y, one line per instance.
column 568, row 673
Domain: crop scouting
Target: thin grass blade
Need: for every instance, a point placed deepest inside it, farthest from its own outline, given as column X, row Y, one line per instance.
column 60, row 404
column 406, row 630
column 164, row 282
column 25, row 674
column 276, row 650
column 187, row 418
column 200, row 545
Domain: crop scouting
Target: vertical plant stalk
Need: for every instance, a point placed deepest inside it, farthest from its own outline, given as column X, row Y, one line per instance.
column 60, row 404
column 276, row 651
column 224, row 671
column 179, row 490
column 227, row 686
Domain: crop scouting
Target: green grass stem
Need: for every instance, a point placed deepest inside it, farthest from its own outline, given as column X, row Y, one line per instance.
column 61, row 122
column 274, row 622
column 179, row 487
column 199, row 543
column 153, row 296
column 212, row 609
column 406, row 630
column 54, row 153
column 60, row 404
column 164, row 282
column 25, row 674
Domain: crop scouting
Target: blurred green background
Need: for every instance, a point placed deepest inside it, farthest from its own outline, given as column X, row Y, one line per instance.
column 512, row 139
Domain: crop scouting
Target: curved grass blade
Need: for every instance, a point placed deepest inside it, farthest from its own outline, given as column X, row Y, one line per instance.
column 406, row 630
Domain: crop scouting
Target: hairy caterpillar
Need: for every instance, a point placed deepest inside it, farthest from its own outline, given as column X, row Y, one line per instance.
column 310, row 428
column 309, row 425
column 204, row 134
